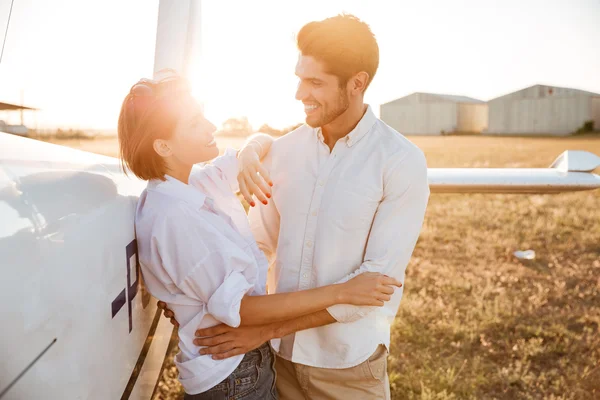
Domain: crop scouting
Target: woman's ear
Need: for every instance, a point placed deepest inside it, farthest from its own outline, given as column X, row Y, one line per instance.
column 161, row 147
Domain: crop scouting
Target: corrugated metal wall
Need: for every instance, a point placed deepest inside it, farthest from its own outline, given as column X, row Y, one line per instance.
column 472, row 117
column 596, row 112
column 539, row 110
column 420, row 114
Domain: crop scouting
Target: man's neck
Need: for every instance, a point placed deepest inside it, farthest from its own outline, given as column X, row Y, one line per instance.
column 343, row 125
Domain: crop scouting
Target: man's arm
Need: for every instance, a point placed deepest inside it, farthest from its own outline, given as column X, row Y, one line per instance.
column 314, row 320
column 223, row 341
column 395, row 230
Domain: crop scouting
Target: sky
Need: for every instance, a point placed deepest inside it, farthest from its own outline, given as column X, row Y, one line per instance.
column 75, row 60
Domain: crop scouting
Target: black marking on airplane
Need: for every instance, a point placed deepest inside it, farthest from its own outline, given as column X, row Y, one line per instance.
column 118, row 303
column 128, row 294
column 142, row 357
column 132, row 288
column 27, row 368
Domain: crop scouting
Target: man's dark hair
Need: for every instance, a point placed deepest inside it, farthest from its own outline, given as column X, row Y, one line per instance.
column 344, row 43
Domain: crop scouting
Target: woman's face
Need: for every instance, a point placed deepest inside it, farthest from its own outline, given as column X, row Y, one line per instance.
column 192, row 141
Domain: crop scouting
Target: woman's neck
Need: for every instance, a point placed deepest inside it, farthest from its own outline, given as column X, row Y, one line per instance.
column 181, row 173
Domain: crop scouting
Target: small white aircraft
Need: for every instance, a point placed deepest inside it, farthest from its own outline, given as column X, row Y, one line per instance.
column 76, row 320
column 77, row 324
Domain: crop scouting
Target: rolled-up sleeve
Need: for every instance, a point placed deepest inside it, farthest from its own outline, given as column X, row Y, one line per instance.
column 225, row 302
column 207, row 266
column 395, row 231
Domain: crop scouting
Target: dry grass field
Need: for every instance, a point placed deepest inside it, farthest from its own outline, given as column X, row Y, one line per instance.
column 475, row 322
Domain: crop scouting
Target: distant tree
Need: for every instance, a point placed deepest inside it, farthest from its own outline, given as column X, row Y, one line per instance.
column 241, row 127
column 237, row 127
column 265, row 128
column 587, row 127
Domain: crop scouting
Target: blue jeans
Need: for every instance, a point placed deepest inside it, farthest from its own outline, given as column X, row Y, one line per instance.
column 253, row 379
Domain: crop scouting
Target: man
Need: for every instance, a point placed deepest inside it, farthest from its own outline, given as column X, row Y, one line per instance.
column 349, row 196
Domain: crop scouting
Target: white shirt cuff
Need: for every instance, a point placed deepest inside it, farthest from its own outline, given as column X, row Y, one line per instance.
column 349, row 313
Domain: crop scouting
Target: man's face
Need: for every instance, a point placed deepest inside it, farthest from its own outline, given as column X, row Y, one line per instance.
column 320, row 92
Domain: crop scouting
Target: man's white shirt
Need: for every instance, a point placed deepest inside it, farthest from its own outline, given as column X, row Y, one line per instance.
column 335, row 214
column 198, row 255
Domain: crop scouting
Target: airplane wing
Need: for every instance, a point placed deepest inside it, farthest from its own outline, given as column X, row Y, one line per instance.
column 570, row 172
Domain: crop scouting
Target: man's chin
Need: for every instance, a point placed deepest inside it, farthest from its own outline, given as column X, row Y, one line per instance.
column 313, row 122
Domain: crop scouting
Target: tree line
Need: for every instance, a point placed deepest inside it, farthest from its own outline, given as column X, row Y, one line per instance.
column 241, row 127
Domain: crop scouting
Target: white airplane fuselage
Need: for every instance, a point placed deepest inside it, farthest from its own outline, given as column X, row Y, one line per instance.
column 77, row 323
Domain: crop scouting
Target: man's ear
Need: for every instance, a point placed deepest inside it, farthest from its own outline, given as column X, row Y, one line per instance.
column 358, row 83
column 161, row 147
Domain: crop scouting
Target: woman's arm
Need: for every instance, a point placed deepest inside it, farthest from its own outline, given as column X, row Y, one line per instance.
column 367, row 289
column 253, row 178
column 260, row 142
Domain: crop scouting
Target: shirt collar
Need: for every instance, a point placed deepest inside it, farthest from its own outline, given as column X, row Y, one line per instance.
column 175, row 188
column 360, row 130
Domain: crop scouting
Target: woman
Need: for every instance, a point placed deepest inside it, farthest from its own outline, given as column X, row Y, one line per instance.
column 196, row 250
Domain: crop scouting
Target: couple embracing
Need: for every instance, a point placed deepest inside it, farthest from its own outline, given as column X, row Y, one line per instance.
column 296, row 299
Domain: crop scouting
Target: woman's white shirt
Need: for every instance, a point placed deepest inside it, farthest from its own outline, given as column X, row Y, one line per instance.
column 198, row 255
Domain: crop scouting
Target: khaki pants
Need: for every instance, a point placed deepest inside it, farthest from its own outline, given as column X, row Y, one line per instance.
column 366, row 381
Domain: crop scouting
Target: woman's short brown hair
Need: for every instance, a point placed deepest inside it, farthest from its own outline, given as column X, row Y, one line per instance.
column 141, row 122
column 344, row 43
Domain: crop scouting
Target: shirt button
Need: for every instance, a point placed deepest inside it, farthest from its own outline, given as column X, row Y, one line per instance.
column 305, row 275
column 309, row 244
column 321, row 183
column 314, row 213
